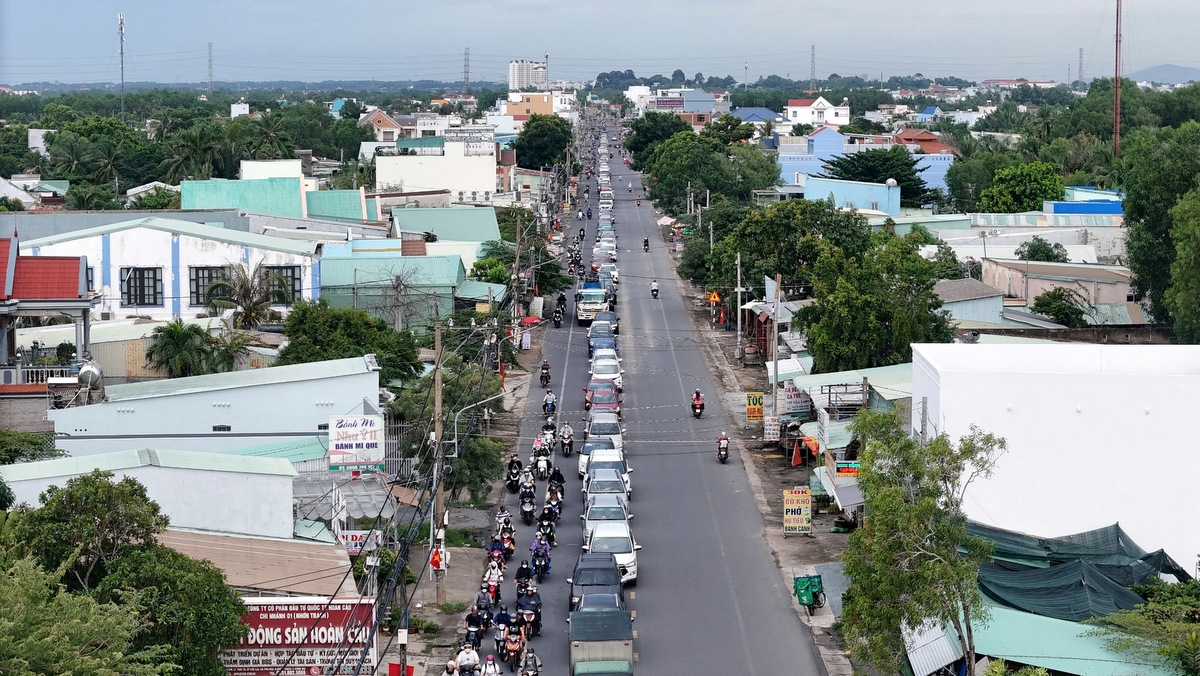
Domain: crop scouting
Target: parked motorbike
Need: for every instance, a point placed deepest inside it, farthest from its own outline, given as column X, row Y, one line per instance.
column 723, row 449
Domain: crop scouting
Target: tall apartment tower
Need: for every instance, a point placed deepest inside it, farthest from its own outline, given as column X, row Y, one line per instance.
column 526, row 75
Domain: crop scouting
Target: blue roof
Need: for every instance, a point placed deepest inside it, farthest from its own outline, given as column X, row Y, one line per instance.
column 455, row 224
column 756, row 114
column 931, row 110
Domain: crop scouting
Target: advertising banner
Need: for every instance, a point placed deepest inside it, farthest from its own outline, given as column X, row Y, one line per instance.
column 846, row 468
column 356, row 442
column 356, row 540
column 754, row 406
column 797, row 511
column 320, row 636
column 771, row 428
column 673, row 103
column 793, row 401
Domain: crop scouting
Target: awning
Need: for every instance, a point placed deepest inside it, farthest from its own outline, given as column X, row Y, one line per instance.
column 788, row 368
column 666, row 220
column 845, row 491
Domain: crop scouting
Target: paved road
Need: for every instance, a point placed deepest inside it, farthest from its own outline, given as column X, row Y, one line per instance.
column 709, row 599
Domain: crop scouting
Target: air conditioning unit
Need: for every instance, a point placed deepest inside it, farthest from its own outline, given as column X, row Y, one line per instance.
column 487, row 196
column 105, row 316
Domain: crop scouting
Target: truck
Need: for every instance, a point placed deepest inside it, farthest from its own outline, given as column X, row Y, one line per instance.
column 601, row 642
column 590, row 299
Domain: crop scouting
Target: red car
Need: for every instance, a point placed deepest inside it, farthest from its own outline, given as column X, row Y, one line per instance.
column 605, row 400
column 595, row 386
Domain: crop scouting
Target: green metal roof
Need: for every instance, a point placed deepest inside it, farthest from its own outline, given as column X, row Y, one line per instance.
column 304, row 529
column 419, row 271
column 296, row 450
column 234, row 379
column 474, row 289
column 185, row 229
column 892, row 382
column 456, row 224
column 423, row 142
column 1058, row 645
column 145, row 457
column 59, row 188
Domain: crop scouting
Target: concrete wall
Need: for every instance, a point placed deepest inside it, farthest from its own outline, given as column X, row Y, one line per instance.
column 145, row 247
column 1108, row 242
column 1013, row 283
column 1086, row 425
column 454, row 171
column 251, row 169
column 257, row 415
column 875, row 196
column 282, row 196
column 232, row 502
column 25, row 414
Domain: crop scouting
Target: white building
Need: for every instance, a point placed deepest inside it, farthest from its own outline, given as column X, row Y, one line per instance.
column 524, row 74
column 239, row 109
column 440, row 163
column 161, row 268
column 221, row 412
column 1085, row 424
column 202, row 491
column 817, row 112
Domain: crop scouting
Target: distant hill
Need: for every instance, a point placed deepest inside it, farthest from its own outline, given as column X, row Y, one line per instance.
column 1168, row 73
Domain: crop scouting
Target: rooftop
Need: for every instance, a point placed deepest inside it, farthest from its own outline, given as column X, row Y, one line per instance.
column 1064, row 358
column 366, row 270
column 465, row 224
column 297, row 450
column 894, row 379
column 145, row 457
column 237, row 379
column 955, row 290
column 186, row 229
column 1089, row 271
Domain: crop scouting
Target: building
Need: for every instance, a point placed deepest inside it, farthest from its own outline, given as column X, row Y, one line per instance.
column 969, row 299
column 220, row 412
column 293, row 197
column 683, row 101
column 800, row 155
column 1002, row 84
column 161, row 268
column 407, row 292
column 1070, row 414
column 874, row 199
column 524, row 74
column 132, row 195
column 526, row 103
column 1026, row 280
column 10, row 191
column 387, row 129
column 922, row 141
column 239, row 109
column 465, row 164
column 817, row 112
column 929, row 115
column 203, row 491
column 36, row 141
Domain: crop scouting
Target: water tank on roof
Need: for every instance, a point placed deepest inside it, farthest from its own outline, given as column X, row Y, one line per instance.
column 90, row 375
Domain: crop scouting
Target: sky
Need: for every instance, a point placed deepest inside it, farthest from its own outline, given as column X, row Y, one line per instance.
column 309, row 40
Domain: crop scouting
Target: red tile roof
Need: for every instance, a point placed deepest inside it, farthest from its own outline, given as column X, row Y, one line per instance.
column 800, row 102
column 29, row 388
column 46, row 278
column 4, row 248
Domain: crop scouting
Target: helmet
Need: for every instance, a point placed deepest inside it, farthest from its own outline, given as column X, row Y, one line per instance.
column 524, row 563
column 533, row 587
column 491, row 658
column 483, row 586
column 697, row 390
column 507, row 521
column 504, row 609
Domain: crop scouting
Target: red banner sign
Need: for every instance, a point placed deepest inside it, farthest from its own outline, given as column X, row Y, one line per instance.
column 320, row 632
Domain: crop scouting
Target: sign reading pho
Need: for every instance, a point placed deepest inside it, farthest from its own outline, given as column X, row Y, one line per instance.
column 356, row 442
column 323, row 634
column 797, row 511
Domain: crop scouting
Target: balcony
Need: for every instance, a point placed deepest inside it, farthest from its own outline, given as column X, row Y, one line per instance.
column 27, row 375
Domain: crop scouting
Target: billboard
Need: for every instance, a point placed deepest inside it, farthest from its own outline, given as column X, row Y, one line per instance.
column 356, row 442
column 754, row 406
column 673, row 103
column 320, row 631
column 797, row 511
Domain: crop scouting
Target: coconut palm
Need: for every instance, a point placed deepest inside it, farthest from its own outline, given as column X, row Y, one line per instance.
column 228, row 350
column 191, row 154
column 249, row 293
column 272, row 142
column 180, row 349
column 104, row 156
column 767, row 129
column 70, row 152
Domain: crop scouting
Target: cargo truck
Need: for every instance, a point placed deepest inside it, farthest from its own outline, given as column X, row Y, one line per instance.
column 601, row 643
column 590, row 299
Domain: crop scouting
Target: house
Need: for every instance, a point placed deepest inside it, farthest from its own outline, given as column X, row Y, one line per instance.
column 463, row 161
column 1070, row 413
column 407, row 292
column 807, row 155
column 817, row 112
column 10, row 191
column 969, row 299
column 530, row 103
column 36, row 141
column 387, row 129
column 1026, row 280
column 685, row 100
column 162, row 268
column 41, row 286
column 239, row 109
column 1002, row 84
column 291, row 197
column 132, row 194
column 923, row 141
column 880, row 198
column 929, row 115
column 203, row 491
column 220, row 412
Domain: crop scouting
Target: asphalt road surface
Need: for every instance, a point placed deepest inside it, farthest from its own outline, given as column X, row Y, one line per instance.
column 709, row 599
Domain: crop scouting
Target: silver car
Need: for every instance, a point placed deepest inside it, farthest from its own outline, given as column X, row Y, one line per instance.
column 603, row 508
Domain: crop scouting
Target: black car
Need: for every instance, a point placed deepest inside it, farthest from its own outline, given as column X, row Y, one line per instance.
column 601, row 330
column 594, row 574
column 611, row 318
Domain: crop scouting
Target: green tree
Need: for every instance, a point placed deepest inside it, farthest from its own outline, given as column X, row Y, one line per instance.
column 490, row 270
column 317, row 332
column 687, row 158
column 649, row 131
column 510, row 217
column 543, row 141
column 184, row 604
column 48, row 630
column 180, row 349
column 861, row 125
column 946, row 263
column 870, row 311
column 1164, row 631
column 69, row 152
column 1023, row 187
column 273, row 141
column 728, row 130
column 914, row 561
column 11, row 204
column 157, row 199
column 227, row 350
column 970, row 176
column 802, row 129
column 877, row 166
column 84, row 197
column 479, row 465
column 1063, row 306
column 1038, row 249
column 25, row 447
column 88, row 524
column 1160, row 167
column 249, row 293
column 7, row 499
column 1182, row 297
column 1000, row 668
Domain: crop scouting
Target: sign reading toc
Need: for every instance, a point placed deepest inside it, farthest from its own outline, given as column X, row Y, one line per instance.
column 356, row 442
column 797, row 511
column 754, row 406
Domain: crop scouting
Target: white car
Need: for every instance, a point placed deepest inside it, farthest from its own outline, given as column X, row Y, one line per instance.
column 588, row 447
column 616, row 538
column 614, row 459
column 605, row 424
column 608, row 369
column 612, row 271
column 602, row 509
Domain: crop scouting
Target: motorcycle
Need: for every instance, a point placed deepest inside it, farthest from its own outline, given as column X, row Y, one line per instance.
column 514, row 645
column 654, row 292
column 510, row 547
column 539, row 568
column 542, row 467
column 498, row 638
column 494, row 591
column 558, row 317
column 545, row 379
column 723, row 450
column 474, row 635
column 496, row 556
column 512, row 481
column 639, row 201
column 555, row 506
column 697, row 408
column 646, row 246
column 527, row 511
column 589, row 214
column 485, row 615
column 568, row 444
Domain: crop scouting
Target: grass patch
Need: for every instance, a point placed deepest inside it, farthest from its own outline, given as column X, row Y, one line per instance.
column 455, row 537
column 453, row 607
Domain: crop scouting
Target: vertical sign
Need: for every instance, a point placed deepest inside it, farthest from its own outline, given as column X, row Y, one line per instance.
column 771, row 428
column 356, row 442
column 526, row 340
column 823, row 426
column 754, row 406
column 797, row 512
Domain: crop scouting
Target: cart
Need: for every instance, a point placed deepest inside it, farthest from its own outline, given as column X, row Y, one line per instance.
column 809, row 592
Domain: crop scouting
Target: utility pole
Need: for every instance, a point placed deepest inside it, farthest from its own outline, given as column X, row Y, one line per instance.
column 210, row 69
column 775, row 349
column 812, row 69
column 121, row 50
column 466, row 69
column 1079, row 73
column 439, row 500
column 517, row 274
column 739, row 305
column 746, row 78
column 689, row 197
column 1117, row 89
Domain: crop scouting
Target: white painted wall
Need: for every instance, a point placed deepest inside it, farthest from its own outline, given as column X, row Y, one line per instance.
column 270, row 169
column 455, row 171
column 1096, row 434
column 257, row 415
column 230, row 502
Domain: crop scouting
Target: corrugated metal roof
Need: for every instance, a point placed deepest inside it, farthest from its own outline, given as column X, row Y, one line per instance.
column 235, row 379
column 955, row 290
column 418, row 271
column 320, row 499
column 313, row 530
column 146, row 457
column 895, row 382
column 104, row 332
column 930, row 649
column 476, row 290
column 299, row 450
column 462, row 224
column 1088, row 271
column 186, row 229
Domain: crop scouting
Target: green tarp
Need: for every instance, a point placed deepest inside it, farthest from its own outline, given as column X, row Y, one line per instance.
column 1075, row 591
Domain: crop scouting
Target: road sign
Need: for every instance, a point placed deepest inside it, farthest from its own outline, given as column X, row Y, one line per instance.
column 754, row 406
column 714, row 297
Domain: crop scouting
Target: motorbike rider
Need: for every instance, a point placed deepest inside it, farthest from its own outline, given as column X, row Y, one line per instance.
column 531, row 662
column 502, row 516
column 579, row 216
column 562, row 300
column 493, row 575
column 514, row 462
column 496, row 546
column 508, row 527
column 524, row 573
column 468, row 659
column 654, row 287
column 531, row 602
column 474, row 619
column 540, row 546
column 556, row 475
column 646, row 243
column 723, row 442
column 698, row 399
column 550, row 426
column 483, row 599
column 546, row 529
column 527, row 493
column 548, row 401
column 501, row 621
column 631, row 186
column 490, row 667
column 451, row 669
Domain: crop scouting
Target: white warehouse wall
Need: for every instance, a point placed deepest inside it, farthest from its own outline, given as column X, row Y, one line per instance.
column 1097, row 434
column 454, row 171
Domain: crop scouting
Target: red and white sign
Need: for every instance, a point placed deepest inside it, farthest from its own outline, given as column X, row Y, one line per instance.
column 356, row 540
column 325, row 633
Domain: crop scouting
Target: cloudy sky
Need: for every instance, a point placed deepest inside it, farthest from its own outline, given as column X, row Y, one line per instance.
column 311, row 40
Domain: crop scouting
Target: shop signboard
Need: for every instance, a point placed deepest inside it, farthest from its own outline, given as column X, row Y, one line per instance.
column 356, row 540
column 846, row 468
column 671, row 103
column 317, row 633
column 793, row 400
column 754, row 406
column 797, row 511
column 771, row 428
column 356, row 442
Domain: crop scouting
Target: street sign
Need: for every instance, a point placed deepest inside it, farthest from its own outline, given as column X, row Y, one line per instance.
column 714, row 297
column 797, row 511
column 754, row 406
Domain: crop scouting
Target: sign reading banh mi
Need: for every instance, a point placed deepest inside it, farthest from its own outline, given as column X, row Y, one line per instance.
column 754, row 406
column 322, row 632
column 356, row 442
column 797, row 511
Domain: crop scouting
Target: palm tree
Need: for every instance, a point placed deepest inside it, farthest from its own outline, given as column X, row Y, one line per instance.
column 767, row 129
column 180, row 349
column 69, row 152
column 192, row 153
column 272, row 142
column 228, row 350
column 249, row 293
column 103, row 157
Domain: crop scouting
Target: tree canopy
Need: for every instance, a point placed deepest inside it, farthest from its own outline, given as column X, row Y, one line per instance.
column 543, row 141
column 1038, row 249
column 728, row 130
column 1063, row 306
column 1023, row 187
column 650, row 130
column 317, row 332
column 1183, row 295
column 877, row 166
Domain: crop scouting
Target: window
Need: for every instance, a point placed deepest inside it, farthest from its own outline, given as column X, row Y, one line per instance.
column 91, row 279
column 322, row 427
column 389, row 135
column 875, row 206
column 222, row 428
column 141, row 287
column 199, row 279
column 284, row 283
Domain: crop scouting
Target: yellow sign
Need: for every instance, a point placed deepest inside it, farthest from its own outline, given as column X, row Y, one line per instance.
column 797, row 512
column 714, row 297
column 754, row 406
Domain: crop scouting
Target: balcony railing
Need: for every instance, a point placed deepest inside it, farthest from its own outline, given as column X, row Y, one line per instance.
column 26, row 375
